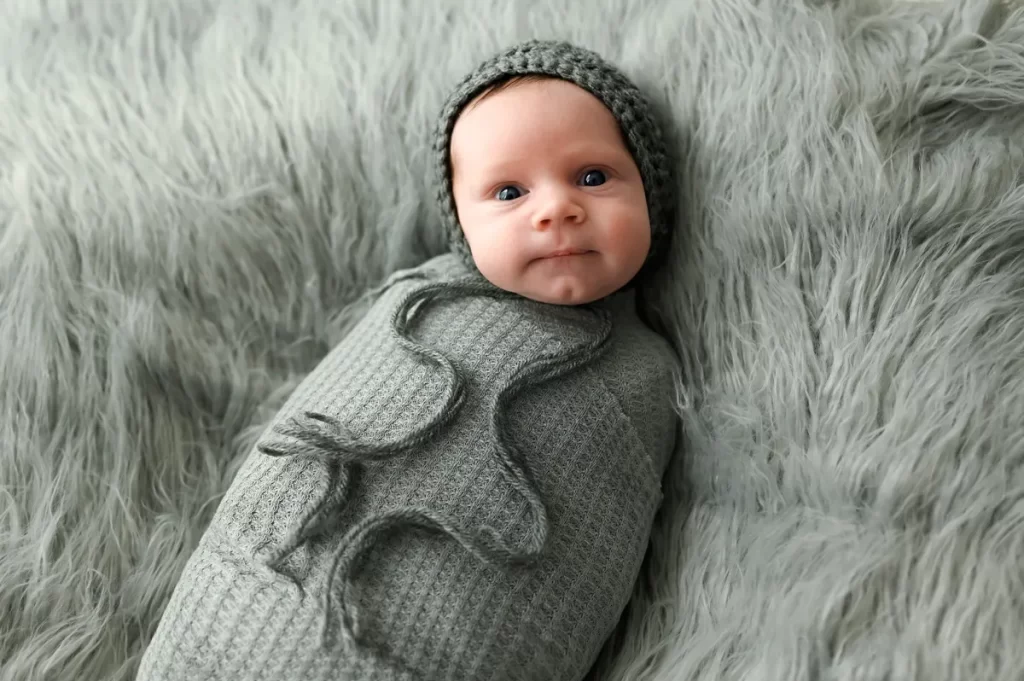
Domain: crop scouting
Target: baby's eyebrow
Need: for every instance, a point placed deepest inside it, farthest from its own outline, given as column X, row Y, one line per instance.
column 604, row 154
column 502, row 168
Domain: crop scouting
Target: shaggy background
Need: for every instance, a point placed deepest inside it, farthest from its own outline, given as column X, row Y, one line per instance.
column 192, row 191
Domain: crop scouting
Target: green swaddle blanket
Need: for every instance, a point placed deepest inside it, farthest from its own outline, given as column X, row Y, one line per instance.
column 444, row 557
column 464, row 487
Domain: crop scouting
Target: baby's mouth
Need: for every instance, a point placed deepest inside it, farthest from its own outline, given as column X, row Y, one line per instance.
column 566, row 252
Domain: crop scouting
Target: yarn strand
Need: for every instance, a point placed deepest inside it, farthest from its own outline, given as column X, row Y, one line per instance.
column 319, row 437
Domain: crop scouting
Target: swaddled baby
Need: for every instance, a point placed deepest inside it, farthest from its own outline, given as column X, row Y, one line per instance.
column 464, row 487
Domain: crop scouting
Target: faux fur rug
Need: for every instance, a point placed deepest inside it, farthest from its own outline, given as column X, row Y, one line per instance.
column 191, row 191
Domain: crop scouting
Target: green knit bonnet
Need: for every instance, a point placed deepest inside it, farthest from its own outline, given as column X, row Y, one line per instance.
column 588, row 70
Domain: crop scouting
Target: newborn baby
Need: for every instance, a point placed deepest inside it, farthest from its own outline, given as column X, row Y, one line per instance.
column 464, row 487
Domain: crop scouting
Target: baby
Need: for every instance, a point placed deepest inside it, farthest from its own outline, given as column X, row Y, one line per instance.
column 464, row 487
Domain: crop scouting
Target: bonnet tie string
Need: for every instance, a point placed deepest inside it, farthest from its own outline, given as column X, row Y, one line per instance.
column 316, row 437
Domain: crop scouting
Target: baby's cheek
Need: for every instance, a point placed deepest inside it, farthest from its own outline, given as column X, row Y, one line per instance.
column 495, row 262
column 629, row 229
column 499, row 253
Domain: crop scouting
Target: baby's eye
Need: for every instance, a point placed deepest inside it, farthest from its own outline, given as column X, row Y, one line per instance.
column 592, row 178
column 508, row 193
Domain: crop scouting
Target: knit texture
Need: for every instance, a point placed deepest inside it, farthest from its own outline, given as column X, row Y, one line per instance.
column 430, row 521
column 641, row 130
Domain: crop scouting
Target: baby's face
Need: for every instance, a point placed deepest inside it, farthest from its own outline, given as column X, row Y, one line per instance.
column 539, row 170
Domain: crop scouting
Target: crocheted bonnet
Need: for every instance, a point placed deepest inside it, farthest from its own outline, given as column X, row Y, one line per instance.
column 642, row 133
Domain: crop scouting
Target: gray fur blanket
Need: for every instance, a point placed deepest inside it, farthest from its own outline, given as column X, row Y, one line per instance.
column 192, row 191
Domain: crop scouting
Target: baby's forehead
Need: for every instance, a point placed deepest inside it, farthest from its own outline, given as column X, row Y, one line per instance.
column 510, row 86
column 538, row 103
column 531, row 86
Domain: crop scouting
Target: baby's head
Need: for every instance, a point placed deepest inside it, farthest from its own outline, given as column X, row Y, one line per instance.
column 554, row 179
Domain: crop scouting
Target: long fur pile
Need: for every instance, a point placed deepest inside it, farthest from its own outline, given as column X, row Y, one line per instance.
column 192, row 192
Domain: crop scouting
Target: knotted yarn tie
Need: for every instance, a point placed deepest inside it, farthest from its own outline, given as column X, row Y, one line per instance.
column 317, row 437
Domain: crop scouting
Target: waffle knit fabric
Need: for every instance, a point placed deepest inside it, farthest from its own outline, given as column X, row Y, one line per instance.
column 521, row 530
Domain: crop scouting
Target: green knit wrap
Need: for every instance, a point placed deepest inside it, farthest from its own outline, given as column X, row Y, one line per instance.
column 462, row 489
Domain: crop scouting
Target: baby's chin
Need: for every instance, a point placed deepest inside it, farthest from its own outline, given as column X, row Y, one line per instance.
column 565, row 291
column 568, row 286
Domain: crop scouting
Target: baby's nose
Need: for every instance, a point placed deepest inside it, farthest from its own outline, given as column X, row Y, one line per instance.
column 558, row 208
